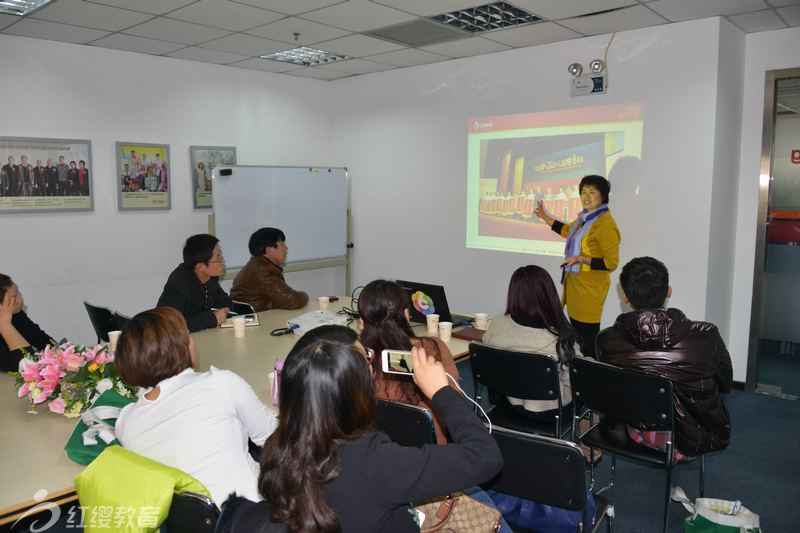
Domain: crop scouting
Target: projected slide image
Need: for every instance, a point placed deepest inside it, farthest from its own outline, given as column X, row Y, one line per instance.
column 518, row 160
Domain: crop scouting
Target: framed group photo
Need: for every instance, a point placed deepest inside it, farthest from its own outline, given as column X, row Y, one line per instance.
column 204, row 159
column 45, row 175
column 143, row 176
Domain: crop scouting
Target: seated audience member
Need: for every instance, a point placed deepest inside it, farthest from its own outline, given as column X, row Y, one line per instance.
column 663, row 342
column 197, row 422
column 328, row 468
column 260, row 283
column 383, row 322
column 193, row 288
column 17, row 331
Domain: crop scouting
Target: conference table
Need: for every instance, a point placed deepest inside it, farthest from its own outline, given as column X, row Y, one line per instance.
column 33, row 445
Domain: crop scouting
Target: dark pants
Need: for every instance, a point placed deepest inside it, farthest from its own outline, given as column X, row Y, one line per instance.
column 588, row 334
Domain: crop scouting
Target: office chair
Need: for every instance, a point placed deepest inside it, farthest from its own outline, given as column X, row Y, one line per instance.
column 121, row 319
column 547, row 471
column 527, row 376
column 191, row 512
column 636, row 398
column 241, row 308
column 102, row 319
column 406, row 424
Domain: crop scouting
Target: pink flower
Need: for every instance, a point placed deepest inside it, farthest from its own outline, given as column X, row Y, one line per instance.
column 52, row 373
column 57, row 406
column 91, row 353
column 30, row 371
column 37, row 396
column 47, row 388
column 73, row 362
column 103, row 357
column 24, row 389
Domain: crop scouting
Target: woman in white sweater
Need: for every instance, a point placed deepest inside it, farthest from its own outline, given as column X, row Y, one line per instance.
column 198, row 422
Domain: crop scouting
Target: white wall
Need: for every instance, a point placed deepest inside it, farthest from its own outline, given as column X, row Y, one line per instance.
column 765, row 51
column 122, row 259
column 403, row 136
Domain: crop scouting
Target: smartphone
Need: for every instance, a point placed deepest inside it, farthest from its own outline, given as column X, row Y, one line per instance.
column 397, row 362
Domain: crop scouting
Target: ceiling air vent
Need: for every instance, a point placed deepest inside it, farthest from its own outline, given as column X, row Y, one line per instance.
column 419, row 32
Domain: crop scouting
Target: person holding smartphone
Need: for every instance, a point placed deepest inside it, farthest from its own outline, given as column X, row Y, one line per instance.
column 17, row 331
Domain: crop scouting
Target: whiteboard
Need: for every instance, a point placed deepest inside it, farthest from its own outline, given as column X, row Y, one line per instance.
column 309, row 206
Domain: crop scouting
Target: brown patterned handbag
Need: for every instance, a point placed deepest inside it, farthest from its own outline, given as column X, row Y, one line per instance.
column 458, row 513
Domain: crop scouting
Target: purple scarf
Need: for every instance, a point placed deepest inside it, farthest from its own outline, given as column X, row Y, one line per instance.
column 576, row 233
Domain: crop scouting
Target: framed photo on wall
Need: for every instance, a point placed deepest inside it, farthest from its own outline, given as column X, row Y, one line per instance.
column 45, row 175
column 204, row 159
column 143, row 176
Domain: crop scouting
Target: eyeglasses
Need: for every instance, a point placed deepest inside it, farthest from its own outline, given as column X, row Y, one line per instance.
column 221, row 259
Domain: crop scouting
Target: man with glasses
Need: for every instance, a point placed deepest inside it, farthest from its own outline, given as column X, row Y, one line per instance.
column 193, row 288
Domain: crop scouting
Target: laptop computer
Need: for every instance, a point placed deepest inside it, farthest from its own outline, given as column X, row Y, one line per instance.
column 429, row 299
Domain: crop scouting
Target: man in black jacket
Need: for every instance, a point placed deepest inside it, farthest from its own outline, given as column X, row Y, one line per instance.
column 193, row 288
column 663, row 342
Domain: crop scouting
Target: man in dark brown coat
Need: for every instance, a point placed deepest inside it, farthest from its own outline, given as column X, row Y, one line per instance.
column 663, row 342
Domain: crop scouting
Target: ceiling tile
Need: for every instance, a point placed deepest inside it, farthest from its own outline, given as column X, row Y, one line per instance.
column 624, row 19
column 532, row 34
column 680, row 10
column 783, row 3
column 194, row 53
column 290, row 7
column 408, row 57
column 310, row 32
column 471, row 46
column 176, row 31
column 226, row 15
column 759, row 21
column 569, row 8
column 129, row 43
column 426, row 8
column 266, row 65
column 790, row 14
column 153, row 7
column 357, row 66
column 248, row 45
column 95, row 16
column 318, row 73
column 7, row 20
column 358, row 15
column 42, row 29
column 358, row 46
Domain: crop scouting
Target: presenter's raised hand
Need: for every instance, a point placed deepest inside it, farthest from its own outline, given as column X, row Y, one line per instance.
column 222, row 315
column 541, row 212
column 428, row 372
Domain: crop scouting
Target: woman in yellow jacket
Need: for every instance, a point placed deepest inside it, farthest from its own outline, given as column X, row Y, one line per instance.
column 592, row 252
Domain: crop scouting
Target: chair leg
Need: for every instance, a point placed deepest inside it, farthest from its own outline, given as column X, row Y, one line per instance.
column 613, row 472
column 669, row 491
column 702, row 476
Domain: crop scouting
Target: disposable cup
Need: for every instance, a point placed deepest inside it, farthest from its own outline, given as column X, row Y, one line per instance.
column 113, row 337
column 324, row 302
column 238, row 326
column 480, row 320
column 445, row 330
column 433, row 323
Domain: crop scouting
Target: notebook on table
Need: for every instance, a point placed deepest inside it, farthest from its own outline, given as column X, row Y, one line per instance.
column 429, row 299
column 249, row 320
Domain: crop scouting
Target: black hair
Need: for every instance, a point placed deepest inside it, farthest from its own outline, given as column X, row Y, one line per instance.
column 198, row 249
column 646, row 282
column 599, row 183
column 263, row 238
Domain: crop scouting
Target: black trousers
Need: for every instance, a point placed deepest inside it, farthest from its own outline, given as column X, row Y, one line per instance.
column 588, row 332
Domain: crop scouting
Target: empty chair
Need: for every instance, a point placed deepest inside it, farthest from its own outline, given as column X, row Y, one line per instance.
column 406, row 424
column 121, row 319
column 102, row 319
column 547, row 471
column 634, row 397
column 191, row 512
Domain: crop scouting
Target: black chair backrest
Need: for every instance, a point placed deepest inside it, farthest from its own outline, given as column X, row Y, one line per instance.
column 527, row 376
column 241, row 308
column 622, row 394
column 540, row 469
column 191, row 513
column 121, row 319
column 406, row 424
column 102, row 319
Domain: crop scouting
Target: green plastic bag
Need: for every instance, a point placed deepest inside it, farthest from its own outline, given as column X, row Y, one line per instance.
column 716, row 516
column 76, row 449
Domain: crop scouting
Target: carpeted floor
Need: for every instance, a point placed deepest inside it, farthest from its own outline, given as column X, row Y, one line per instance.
column 761, row 467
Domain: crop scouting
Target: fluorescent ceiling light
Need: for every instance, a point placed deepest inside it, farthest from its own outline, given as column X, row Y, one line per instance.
column 490, row 17
column 308, row 57
column 21, row 7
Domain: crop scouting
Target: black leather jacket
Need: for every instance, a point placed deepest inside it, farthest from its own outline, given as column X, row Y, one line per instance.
column 663, row 342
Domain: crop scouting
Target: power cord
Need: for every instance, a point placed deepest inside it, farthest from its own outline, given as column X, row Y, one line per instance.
column 470, row 399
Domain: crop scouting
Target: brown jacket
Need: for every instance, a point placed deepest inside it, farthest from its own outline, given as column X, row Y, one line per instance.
column 663, row 342
column 261, row 284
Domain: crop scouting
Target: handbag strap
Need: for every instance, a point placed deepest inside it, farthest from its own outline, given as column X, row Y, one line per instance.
column 444, row 513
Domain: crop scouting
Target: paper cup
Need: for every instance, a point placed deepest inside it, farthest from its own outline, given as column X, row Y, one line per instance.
column 480, row 320
column 445, row 330
column 433, row 323
column 238, row 326
column 113, row 337
column 324, row 302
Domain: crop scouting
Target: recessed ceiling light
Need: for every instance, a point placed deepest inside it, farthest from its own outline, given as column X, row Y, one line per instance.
column 490, row 17
column 308, row 57
column 21, row 7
